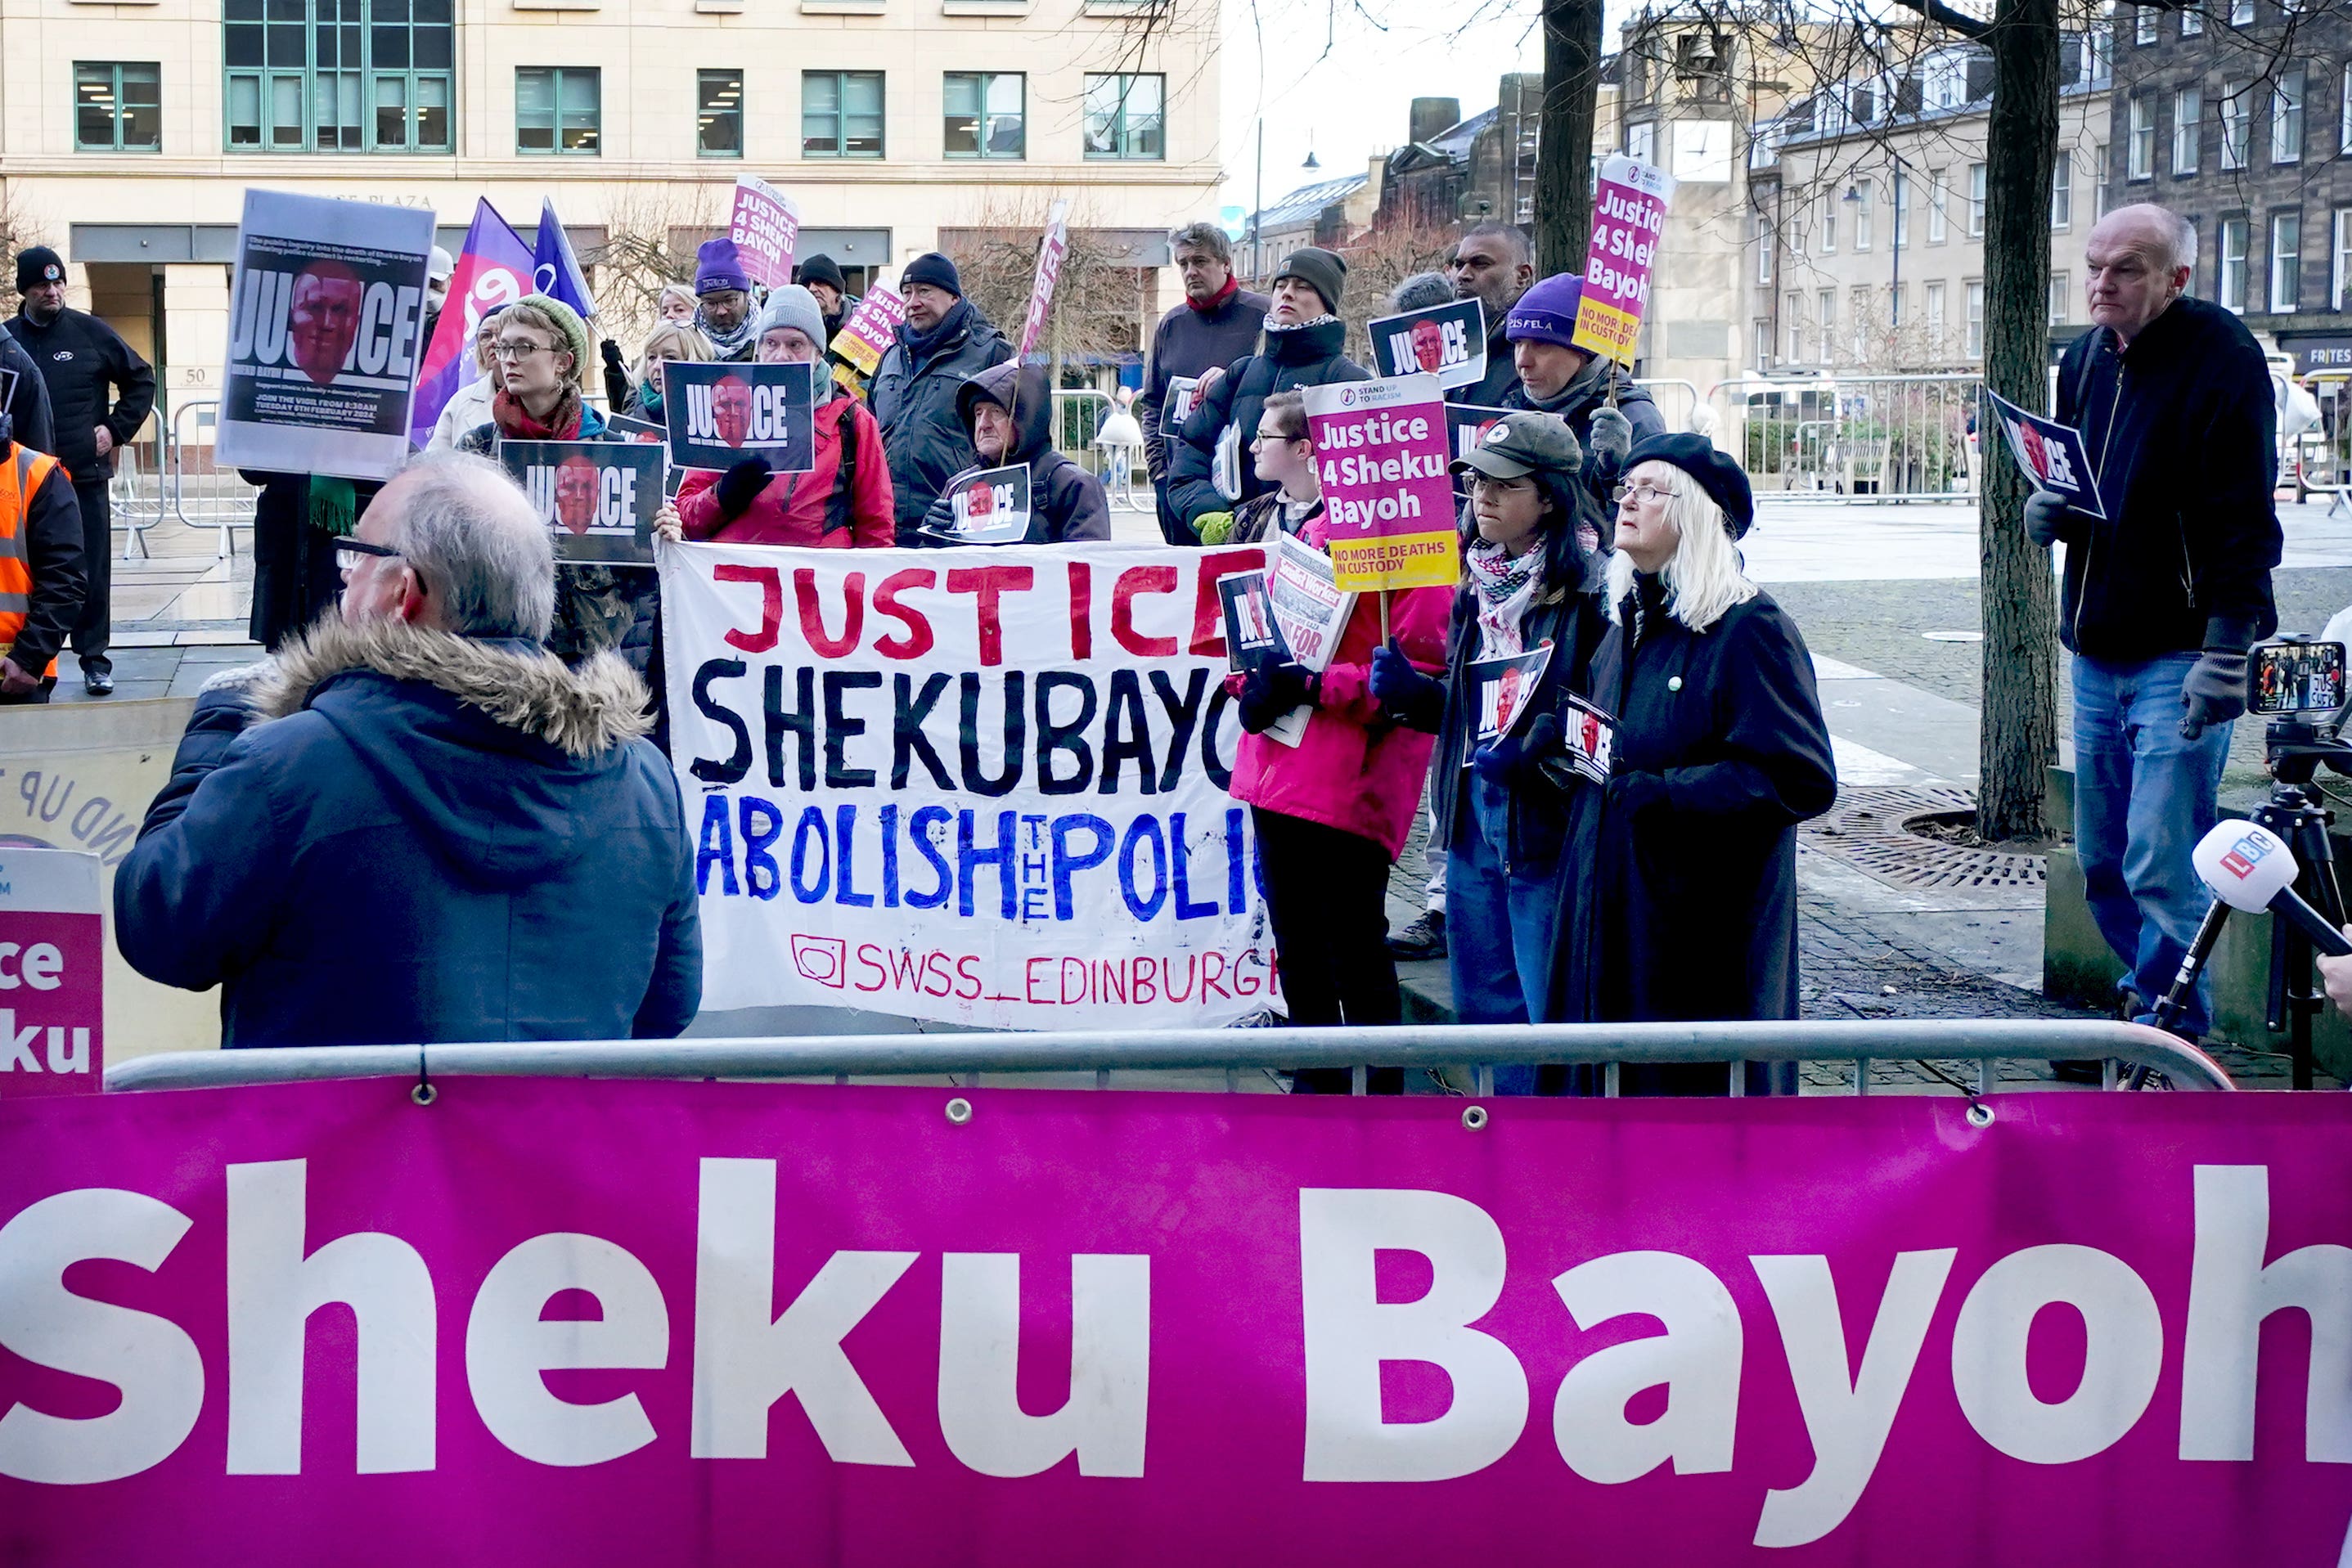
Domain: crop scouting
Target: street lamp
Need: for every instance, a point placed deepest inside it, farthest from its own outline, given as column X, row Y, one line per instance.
column 1895, row 225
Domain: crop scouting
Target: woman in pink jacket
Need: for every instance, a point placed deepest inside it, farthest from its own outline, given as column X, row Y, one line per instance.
column 1332, row 811
column 843, row 503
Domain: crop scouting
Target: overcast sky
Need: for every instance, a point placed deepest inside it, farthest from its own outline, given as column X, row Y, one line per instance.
column 1355, row 100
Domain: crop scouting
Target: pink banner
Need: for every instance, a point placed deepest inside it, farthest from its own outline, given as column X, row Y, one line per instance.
column 604, row 1323
column 52, row 973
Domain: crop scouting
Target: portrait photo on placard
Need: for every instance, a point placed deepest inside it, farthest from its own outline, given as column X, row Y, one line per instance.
column 1449, row 342
column 719, row 414
column 597, row 498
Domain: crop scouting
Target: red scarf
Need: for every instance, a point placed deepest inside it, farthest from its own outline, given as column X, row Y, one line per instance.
column 1233, row 287
column 515, row 422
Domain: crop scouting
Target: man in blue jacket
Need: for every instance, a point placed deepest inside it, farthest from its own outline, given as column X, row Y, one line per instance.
column 415, row 824
column 2165, row 594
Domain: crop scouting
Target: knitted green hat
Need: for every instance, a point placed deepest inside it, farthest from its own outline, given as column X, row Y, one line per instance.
column 567, row 319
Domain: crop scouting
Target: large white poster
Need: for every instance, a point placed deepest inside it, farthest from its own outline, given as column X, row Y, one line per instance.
column 982, row 785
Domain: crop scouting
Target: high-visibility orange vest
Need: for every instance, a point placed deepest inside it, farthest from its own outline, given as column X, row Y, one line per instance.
column 20, row 481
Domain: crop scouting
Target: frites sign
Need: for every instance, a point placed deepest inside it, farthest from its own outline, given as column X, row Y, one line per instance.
column 1628, row 218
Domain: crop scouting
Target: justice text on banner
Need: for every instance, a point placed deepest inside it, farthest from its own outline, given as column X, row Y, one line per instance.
column 606, row 1324
column 719, row 414
column 1628, row 218
column 326, row 328
column 1380, row 449
column 983, row 784
column 597, row 498
column 765, row 226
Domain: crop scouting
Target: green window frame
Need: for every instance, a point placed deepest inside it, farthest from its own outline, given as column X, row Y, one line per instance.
column 118, row 106
column 560, row 111
column 841, row 114
column 719, row 114
column 338, row 75
column 1127, row 116
column 985, row 115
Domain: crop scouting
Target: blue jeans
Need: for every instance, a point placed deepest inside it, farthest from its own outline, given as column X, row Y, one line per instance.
column 1501, row 924
column 2143, row 796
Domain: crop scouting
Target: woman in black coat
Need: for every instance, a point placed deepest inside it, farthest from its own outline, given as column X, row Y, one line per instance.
column 1719, row 752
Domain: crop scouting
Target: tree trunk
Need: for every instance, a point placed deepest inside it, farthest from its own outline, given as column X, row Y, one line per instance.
column 1564, row 138
column 2017, row 737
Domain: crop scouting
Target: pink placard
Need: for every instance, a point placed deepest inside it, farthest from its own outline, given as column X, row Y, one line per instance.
column 1381, row 451
column 765, row 226
column 1629, row 220
column 52, row 974
column 1312, row 1332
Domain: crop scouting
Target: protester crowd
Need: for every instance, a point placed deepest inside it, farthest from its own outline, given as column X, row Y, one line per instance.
column 464, row 738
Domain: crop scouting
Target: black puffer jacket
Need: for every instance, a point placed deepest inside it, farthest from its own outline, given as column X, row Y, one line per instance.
column 1065, row 502
column 79, row 357
column 914, row 402
column 28, row 399
column 2183, row 436
column 1292, row 357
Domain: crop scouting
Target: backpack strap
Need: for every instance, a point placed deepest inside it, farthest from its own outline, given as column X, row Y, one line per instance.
column 838, row 504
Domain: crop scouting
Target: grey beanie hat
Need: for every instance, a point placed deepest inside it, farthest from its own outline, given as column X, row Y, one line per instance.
column 794, row 306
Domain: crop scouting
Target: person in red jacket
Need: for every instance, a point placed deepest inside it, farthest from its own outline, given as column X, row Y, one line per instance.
column 1332, row 810
column 843, row 503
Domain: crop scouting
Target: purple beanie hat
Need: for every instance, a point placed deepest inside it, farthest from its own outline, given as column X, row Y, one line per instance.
column 718, row 265
column 1547, row 312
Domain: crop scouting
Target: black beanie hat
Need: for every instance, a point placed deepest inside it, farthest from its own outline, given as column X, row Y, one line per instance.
column 1323, row 271
column 933, row 268
column 1724, row 482
column 820, row 269
column 38, row 264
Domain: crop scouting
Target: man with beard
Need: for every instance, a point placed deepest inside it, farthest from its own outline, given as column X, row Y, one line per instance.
column 722, row 294
column 1216, row 323
column 323, row 321
column 943, row 343
column 80, row 357
column 1493, row 265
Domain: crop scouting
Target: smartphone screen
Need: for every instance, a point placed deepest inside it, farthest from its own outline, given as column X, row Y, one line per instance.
column 2296, row 677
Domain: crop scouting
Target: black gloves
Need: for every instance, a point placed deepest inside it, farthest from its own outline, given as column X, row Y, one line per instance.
column 1271, row 691
column 1634, row 796
column 612, row 356
column 2214, row 690
column 739, row 487
column 1515, row 760
column 2049, row 517
column 616, row 376
column 1405, row 694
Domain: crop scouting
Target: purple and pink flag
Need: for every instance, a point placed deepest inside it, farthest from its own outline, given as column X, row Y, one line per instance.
column 495, row 268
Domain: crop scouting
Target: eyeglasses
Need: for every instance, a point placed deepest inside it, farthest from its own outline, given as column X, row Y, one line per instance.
column 350, row 552
column 1618, row 494
column 520, row 347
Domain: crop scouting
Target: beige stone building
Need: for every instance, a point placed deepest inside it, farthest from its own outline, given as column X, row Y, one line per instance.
column 129, row 131
column 1866, row 241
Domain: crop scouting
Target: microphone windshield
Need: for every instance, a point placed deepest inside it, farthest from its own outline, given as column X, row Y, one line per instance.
column 2245, row 865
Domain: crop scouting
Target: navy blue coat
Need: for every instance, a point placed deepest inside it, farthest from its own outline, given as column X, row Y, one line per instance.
column 1065, row 503
column 404, row 836
column 914, row 402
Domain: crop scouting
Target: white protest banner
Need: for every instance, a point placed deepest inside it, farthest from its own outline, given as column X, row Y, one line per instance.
column 981, row 786
column 2053, row 456
column 52, row 973
column 1629, row 218
column 1056, row 246
column 721, row 413
column 326, row 319
column 1447, row 340
column 765, row 226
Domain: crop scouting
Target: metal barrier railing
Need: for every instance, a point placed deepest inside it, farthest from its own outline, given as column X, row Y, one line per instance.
column 207, row 497
column 1481, row 1047
column 1679, row 400
column 1852, row 438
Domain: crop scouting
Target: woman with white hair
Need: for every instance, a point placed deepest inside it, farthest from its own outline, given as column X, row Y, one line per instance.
column 1720, row 751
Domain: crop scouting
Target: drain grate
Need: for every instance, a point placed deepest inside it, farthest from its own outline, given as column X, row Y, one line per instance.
column 1866, row 829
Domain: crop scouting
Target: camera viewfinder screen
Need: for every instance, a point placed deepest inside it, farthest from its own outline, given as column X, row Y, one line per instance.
column 2297, row 677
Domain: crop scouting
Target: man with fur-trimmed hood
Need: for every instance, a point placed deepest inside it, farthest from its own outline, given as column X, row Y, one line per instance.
column 415, row 823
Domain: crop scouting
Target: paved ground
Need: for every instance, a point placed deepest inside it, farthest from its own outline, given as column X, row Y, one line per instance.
column 1887, row 599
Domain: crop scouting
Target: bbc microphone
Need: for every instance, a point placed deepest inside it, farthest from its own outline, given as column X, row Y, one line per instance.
column 2248, row 867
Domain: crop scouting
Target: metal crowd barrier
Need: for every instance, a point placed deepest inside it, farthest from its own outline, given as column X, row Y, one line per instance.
column 1852, row 438
column 1481, row 1047
column 196, row 493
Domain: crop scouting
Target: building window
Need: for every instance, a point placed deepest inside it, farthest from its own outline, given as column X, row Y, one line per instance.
column 2286, row 262
column 559, row 109
column 719, row 114
column 1642, row 143
column 1862, row 216
column 1765, row 241
column 1902, row 209
column 841, row 114
column 1825, row 324
column 1827, row 222
column 2339, row 276
column 1974, row 292
column 2343, row 113
column 1976, row 199
column 2144, row 24
column 2237, row 124
column 2139, row 148
column 1792, row 325
column 2229, row 281
column 1895, row 294
column 117, row 108
column 2192, row 23
column 2188, row 116
column 1935, row 317
column 2241, row 12
column 1937, row 197
column 2059, row 294
column 985, row 114
column 2061, row 191
column 2104, row 195
column 336, row 76
column 1861, row 309
column 2287, row 117
column 1127, row 116
column 1762, row 340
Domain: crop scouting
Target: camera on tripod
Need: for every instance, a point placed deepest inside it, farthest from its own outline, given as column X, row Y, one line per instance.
column 2291, row 681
